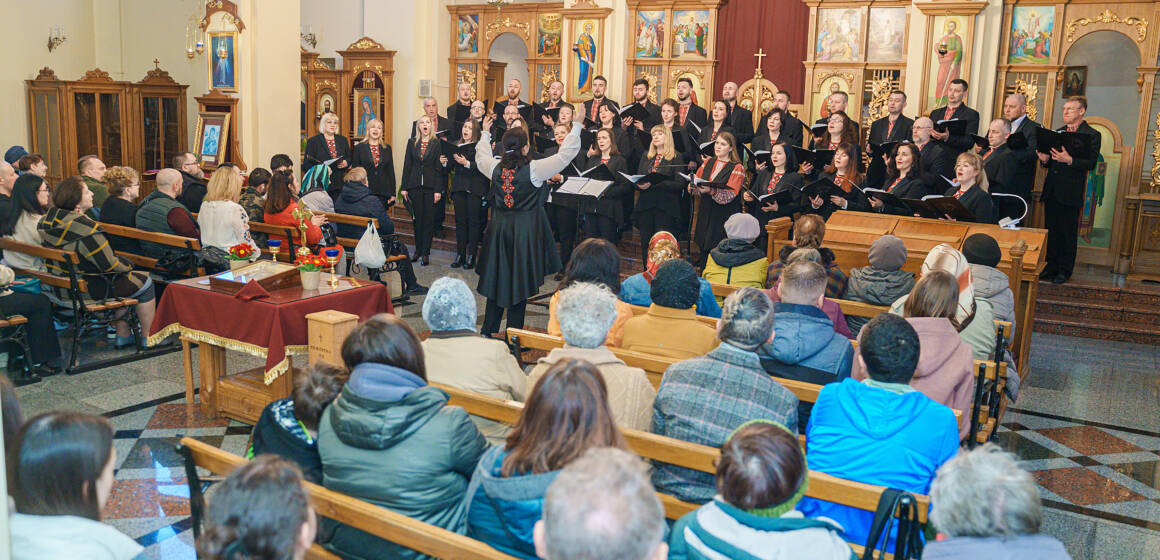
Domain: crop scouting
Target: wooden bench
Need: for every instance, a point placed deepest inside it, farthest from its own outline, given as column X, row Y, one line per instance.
column 688, row 455
column 378, row 521
column 142, row 261
column 74, row 285
column 852, row 308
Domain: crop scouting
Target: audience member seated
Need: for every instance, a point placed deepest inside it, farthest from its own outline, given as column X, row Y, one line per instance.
column 391, row 439
column 120, row 209
column 222, row 221
column 31, row 199
column 161, row 212
column 32, row 163
column 671, row 328
column 973, row 316
column 193, row 189
column 883, row 281
column 253, row 195
column 805, row 346
column 983, row 254
column 456, row 354
column 62, row 476
column 984, row 506
column 602, row 506
column 830, row 307
column 702, row 400
column 761, row 476
column 92, row 170
column 42, row 340
column 736, row 260
column 7, row 181
column 14, row 154
column 663, row 247
column 586, row 312
column 595, row 261
column 567, row 413
column 945, row 371
column 13, row 419
column 288, row 428
column 808, row 233
column 356, row 199
column 880, row 430
column 279, row 209
column 312, row 191
column 66, row 227
column 261, row 510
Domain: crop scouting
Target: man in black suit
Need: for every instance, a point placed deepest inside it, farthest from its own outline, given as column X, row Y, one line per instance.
column 894, row 127
column 513, row 98
column 1063, row 192
column 738, row 117
column 640, row 97
column 460, row 111
column 838, row 101
column 1015, row 111
column 687, row 111
column 442, row 124
column 541, row 122
column 936, row 163
column 791, row 127
column 956, row 108
column 999, row 165
column 591, row 107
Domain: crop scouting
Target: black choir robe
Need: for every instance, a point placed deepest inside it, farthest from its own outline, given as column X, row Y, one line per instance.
column 792, row 129
column 696, row 114
column 978, row 202
column 936, row 163
column 317, row 152
column 876, row 171
column 741, row 120
column 958, row 143
column 380, row 177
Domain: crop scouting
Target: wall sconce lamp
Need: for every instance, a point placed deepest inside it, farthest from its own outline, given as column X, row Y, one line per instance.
column 55, row 37
column 309, row 37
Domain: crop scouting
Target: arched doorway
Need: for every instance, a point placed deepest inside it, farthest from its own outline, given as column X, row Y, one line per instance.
column 507, row 59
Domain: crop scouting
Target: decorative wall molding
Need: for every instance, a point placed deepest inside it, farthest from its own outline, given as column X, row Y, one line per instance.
column 1107, row 16
column 506, row 23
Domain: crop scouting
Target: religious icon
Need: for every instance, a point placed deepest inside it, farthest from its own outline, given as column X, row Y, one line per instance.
column 211, row 134
column 325, row 103
column 222, row 62
column 548, row 41
column 839, row 30
column 585, row 49
column 366, row 109
column 1074, row 81
column 886, row 34
column 467, row 34
column 949, row 49
column 690, row 33
column 650, row 34
column 1031, row 28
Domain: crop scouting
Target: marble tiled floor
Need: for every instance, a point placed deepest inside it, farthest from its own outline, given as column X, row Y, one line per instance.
column 1087, row 425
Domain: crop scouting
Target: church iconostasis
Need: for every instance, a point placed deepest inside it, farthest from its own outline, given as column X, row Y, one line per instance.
column 667, row 43
column 358, row 92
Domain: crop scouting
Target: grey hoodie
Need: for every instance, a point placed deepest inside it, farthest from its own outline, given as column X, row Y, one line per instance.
column 876, row 287
column 994, row 286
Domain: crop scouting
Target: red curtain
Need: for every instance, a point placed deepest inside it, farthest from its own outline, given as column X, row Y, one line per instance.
column 781, row 27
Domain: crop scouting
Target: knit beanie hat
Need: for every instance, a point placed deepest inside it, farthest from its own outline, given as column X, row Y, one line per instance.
column 742, row 226
column 887, row 253
column 14, row 153
column 676, row 285
column 981, row 248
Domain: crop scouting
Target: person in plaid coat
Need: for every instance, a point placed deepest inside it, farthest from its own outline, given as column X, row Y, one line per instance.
column 704, row 399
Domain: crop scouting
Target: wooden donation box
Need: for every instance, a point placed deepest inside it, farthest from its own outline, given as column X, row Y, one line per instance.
column 850, row 234
column 283, row 320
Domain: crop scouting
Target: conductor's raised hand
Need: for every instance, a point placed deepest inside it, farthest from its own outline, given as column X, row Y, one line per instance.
column 488, row 120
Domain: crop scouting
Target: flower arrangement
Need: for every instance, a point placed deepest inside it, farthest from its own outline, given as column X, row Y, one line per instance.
column 311, row 263
column 240, row 252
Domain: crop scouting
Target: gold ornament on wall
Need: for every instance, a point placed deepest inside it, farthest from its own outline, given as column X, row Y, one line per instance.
column 879, row 94
column 1030, row 91
column 467, row 76
column 545, row 81
column 1155, row 183
column 653, row 84
column 507, row 23
column 1107, row 16
column 848, row 77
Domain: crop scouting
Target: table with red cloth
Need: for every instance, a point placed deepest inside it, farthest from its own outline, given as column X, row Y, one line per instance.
column 273, row 328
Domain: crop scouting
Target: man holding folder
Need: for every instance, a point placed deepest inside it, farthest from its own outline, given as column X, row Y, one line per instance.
column 1063, row 190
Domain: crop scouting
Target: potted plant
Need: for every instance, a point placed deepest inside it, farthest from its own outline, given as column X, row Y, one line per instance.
column 310, row 268
column 239, row 255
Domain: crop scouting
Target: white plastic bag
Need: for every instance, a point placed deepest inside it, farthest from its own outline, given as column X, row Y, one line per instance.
column 369, row 251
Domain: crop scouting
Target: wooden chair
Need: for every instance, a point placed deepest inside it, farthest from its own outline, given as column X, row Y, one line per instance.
column 378, row 521
column 179, row 242
column 74, row 287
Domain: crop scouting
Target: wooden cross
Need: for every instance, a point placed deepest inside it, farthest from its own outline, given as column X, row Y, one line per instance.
column 760, row 55
column 156, row 64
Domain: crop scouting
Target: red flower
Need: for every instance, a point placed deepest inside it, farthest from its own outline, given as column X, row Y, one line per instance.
column 241, row 251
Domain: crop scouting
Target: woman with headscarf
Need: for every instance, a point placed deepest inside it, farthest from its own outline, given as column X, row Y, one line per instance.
column 974, row 318
column 663, row 246
column 761, row 477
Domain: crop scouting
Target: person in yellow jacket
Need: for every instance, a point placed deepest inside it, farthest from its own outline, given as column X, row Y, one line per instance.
column 736, row 260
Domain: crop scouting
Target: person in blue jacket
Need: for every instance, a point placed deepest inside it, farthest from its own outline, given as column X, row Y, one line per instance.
column 357, row 199
column 663, row 246
column 880, row 430
column 566, row 414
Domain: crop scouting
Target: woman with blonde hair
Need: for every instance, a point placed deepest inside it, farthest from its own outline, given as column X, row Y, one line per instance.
column 373, row 154
column 223, row 222
column 424, row 183
column 658, row 206
column 972, row 190
column 325, row 146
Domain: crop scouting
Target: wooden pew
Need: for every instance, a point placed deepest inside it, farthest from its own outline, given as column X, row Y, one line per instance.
column 689, row 455
column 168, row 240
column 378, row 521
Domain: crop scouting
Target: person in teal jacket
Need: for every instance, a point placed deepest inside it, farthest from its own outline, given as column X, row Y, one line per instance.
column 390, row 439
column 566, row 414
column 880, row 430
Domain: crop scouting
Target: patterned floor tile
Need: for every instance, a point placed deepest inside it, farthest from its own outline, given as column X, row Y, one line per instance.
column 147, row 498
column 1082, row 486
column 1089, row 440
column 1024, row 448
column 183, row 416
column 159, row 452
column 1146, row 472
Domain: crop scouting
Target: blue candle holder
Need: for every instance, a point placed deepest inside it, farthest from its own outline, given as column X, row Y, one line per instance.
column 275, row 246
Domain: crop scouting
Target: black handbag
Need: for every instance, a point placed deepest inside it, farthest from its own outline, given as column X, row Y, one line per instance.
column 329, row 236
column 901, row 506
